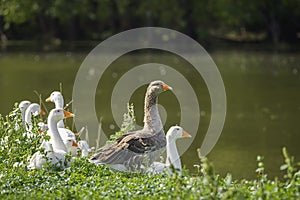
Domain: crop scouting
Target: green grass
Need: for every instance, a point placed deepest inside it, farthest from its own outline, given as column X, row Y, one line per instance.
column 84, row 180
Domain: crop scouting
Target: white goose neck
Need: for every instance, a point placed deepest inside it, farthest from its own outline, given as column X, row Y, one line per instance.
column 27, row 120
column 56, row 139
column 172, row 154
column 59, row 103
column 23, row 118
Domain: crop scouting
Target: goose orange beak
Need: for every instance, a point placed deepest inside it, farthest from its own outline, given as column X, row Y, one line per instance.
column 68, row 114
column 48, row 99
column 185, row 134
column 74, row 144
column 42, row 112
column 166, row 87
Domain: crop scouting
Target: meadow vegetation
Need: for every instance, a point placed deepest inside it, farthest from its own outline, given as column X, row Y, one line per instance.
column 84, row 180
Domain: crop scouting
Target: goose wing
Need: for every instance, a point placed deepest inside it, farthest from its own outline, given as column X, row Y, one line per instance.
column 131, row 147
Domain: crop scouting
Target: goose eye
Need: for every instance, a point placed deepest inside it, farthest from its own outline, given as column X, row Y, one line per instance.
column 177, row 129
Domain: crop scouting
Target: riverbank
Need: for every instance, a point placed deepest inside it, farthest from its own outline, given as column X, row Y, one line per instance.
column 84, row 180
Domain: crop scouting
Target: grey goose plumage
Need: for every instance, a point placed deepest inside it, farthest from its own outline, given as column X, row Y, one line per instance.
column 138, row 148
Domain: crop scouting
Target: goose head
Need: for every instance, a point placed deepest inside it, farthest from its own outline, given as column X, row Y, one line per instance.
column 35, row 109
column 158, row 87
column 56, row 97
column 24, row 105
column 83, row 145
column 59, row 114
column 176, row 132
column 70, row 142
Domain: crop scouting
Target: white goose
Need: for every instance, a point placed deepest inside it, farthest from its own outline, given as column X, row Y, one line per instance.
column 55, row 149
column 39, row 159
column 54, row 117
column 58, row 99
column 173, row 158
column 67, row 136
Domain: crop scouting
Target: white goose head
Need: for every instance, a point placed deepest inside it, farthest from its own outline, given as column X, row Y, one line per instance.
column 83, row 145
column 58, row 114
column 57, row 98
column 34, row 109
column 24, row 105
column 71, row 145
column 176, row 132
column 70, row 142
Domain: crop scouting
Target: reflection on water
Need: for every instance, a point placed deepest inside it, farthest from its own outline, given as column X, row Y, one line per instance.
column 263, row 100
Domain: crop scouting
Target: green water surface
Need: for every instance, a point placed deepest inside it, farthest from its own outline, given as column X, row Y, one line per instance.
column 262, row 88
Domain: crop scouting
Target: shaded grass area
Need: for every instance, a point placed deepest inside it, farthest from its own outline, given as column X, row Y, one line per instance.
column 84, row 180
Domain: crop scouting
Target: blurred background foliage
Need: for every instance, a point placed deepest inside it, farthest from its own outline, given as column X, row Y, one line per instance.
column 204, row 20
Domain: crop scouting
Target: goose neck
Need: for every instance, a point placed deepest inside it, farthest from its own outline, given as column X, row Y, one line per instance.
column 23, row 117
column 59, row 104
column 151, row 116
column 172, row 154
column 27, row 120
column 56, row 139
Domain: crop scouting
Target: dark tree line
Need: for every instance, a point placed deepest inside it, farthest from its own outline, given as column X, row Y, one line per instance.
column 263, row 20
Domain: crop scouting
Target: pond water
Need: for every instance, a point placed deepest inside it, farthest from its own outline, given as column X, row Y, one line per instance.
column 262, row 89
